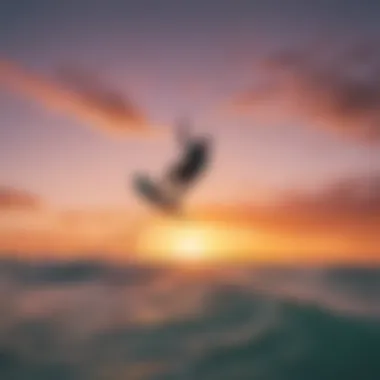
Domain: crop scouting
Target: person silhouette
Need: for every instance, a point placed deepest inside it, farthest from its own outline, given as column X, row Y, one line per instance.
column 193, row 161
column 169, row 191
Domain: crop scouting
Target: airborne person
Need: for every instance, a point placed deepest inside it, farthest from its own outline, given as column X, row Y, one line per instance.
column 168, row 193
column 194, row 159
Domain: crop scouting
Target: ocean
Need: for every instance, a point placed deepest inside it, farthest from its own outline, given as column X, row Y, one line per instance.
column 91, row 320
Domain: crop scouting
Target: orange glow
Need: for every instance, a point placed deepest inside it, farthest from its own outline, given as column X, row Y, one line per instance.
column 199, row 242
column 231, row 236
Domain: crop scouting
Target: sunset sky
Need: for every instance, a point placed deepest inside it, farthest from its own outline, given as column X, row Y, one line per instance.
column 289, row 90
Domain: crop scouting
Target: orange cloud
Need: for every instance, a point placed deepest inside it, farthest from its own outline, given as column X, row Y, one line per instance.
column 15, row 199
column 29, row 226
column 336, row 88
column 107, row 233
column 343, row 218
column 87, row 100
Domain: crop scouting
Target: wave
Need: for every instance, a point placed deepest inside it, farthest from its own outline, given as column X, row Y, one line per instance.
column 87, row 320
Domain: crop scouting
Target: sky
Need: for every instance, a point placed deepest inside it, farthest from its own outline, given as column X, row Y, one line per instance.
column 90, row 92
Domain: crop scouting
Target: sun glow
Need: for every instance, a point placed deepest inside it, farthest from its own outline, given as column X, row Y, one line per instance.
column 194, row 242
column 190, row 244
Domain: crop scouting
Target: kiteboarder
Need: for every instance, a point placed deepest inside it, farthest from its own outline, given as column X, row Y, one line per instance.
column 168, row 193
column 194, row 159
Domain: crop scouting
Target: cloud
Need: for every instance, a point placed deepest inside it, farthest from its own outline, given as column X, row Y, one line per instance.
column 355, row 197
column 81, row 232
column 345, row 214
column 331, row 86
column 14, row 199
column 80, row 96
column 348, row 209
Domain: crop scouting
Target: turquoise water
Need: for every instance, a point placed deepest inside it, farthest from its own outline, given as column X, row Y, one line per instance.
column 93, row 321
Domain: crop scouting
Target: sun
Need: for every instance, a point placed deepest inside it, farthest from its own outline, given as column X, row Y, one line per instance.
column 189, row 245
column 177, row 242
column 193, row 242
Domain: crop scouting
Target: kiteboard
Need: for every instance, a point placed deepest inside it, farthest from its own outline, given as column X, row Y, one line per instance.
column 155, row 195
